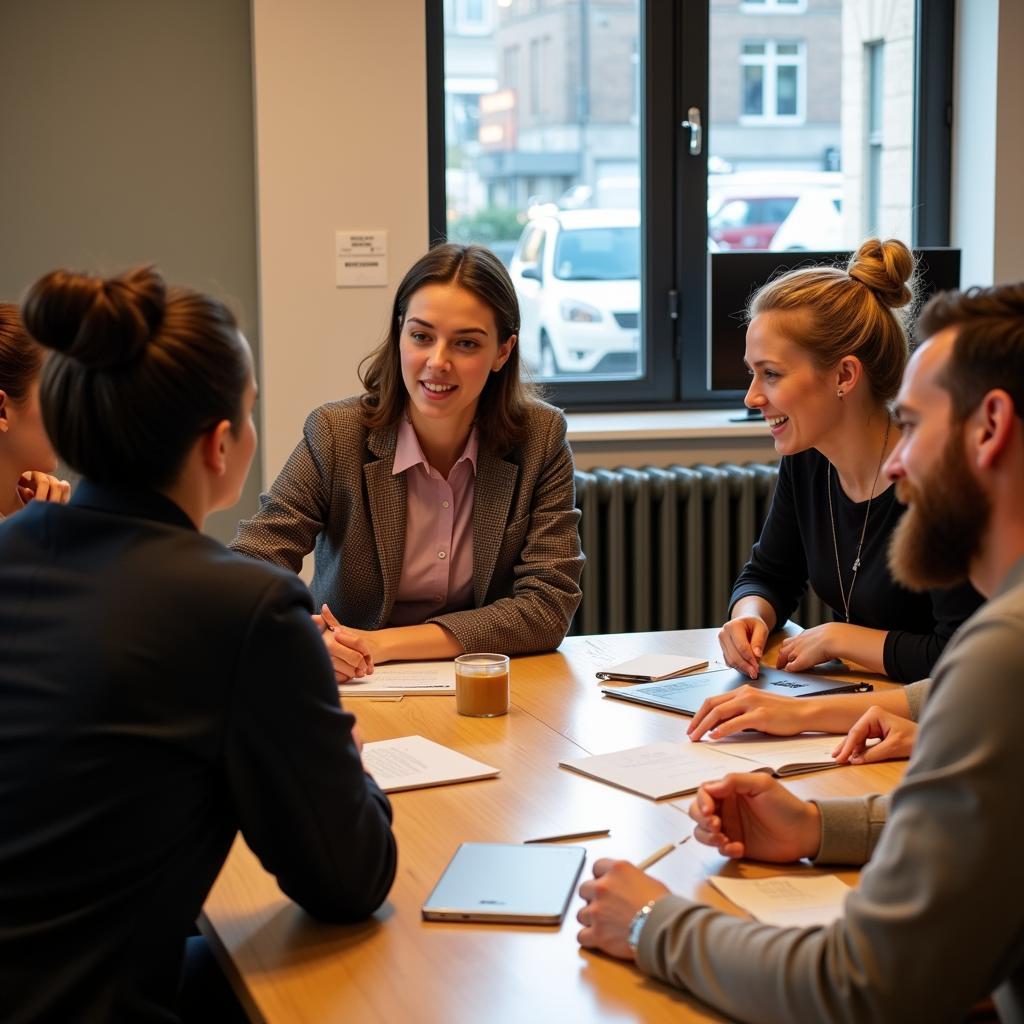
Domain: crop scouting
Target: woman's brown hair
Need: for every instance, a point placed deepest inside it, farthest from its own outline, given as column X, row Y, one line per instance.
column 20, row 356
column 503, row 404
column 860, row 311
column 138, row 372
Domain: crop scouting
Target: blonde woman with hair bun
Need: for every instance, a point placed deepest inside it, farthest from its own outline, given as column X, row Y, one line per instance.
column 826, row 348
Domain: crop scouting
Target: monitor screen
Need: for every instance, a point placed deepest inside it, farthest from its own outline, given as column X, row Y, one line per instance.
column 734, row 277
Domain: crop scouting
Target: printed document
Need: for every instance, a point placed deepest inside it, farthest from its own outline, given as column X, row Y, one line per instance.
column 413, row 762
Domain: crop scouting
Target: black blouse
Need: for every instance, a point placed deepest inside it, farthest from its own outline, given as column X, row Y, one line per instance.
column 796, row 547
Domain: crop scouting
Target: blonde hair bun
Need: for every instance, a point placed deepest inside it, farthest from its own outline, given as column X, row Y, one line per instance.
column 887, row 268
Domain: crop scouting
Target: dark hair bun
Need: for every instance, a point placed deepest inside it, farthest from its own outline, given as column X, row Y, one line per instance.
column 886, row 268
column 100, row 322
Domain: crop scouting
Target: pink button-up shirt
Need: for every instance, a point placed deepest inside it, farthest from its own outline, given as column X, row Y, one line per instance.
column 437, row 568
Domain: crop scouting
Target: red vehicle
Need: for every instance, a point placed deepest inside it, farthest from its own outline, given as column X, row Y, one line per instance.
column 749, row 222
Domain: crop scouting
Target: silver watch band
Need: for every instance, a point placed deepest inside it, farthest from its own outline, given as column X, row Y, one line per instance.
column 636, row 926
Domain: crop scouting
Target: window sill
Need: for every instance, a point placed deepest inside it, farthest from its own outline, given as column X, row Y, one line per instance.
column 669, row 424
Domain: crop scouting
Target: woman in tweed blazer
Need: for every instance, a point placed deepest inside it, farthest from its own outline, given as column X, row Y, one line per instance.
column 449, row 367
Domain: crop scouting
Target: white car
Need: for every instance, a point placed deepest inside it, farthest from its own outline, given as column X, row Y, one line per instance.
column 815, row 222
column 577, row 275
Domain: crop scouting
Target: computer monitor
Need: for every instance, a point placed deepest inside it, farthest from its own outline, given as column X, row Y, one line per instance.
column 733, row 277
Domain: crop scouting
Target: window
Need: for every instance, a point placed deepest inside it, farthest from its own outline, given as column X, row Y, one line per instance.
column 539, row 93
column 473, row 17
column 773, row 81
column 510, row 68
column 616, row 214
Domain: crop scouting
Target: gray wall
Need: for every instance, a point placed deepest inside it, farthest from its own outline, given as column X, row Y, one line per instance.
column 126, row 137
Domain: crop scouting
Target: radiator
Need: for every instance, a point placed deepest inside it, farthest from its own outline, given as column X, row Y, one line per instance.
column 664, row 545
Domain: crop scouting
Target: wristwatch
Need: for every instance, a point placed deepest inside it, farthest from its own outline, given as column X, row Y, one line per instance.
column 636, row 926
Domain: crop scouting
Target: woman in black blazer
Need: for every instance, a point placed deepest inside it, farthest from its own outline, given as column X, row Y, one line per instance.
column 157, row 692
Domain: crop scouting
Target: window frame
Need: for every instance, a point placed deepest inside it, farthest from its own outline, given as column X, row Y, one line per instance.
column 673, row 48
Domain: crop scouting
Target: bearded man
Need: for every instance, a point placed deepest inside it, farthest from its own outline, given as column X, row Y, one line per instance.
column 937, row 921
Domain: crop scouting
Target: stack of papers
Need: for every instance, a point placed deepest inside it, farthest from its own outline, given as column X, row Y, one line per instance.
column 661, row 770
column 413, row 762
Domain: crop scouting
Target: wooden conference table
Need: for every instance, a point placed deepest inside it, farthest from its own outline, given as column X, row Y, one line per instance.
column 396, row 967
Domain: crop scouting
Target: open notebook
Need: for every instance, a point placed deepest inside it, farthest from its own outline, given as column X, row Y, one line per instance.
column 660, row 770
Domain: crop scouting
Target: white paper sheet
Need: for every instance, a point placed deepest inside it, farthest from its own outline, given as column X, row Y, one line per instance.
column 403, row 677
column 787, row 900
column 412, row 762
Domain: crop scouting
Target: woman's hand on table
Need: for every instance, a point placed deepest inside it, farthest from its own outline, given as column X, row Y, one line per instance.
column 896, row 738
column 743, row 640
column 810, row 647
column 748, row 708
column 859, row 644
column 349, row 649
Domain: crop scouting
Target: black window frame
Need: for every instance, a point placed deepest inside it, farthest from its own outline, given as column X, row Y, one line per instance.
column 674, row 56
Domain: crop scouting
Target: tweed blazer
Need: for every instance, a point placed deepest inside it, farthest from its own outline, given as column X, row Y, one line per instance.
column 337, row 496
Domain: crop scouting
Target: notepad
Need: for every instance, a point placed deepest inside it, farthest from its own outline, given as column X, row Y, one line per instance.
column 403, row 677
column 414, row 762
column 652, row 668
column 789, row 901
column 662, row 770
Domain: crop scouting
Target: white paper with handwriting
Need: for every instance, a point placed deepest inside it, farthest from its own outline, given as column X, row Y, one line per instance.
column 787, row 900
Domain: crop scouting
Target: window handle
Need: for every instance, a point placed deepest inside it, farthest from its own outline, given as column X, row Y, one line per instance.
column 696, row 131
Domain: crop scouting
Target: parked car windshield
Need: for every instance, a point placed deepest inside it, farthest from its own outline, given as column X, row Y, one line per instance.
column 598, row 254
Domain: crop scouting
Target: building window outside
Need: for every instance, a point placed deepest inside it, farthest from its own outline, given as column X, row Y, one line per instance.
column 474, row 17
column 510, row 68
column 539, row 57
column 874, row 54
column 773, row 73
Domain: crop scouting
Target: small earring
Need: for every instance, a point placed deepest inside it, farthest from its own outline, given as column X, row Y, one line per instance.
column 839, row 394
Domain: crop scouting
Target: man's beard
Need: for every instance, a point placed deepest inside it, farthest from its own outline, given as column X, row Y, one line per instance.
column 941, row 531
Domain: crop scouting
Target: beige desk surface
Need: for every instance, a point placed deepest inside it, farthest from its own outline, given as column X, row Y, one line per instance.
column 397, row 967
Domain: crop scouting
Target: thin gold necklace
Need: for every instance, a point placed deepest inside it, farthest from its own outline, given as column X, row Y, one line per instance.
column 847, row 596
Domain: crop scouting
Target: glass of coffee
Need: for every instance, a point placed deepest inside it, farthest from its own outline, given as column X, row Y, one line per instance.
column 481, row 685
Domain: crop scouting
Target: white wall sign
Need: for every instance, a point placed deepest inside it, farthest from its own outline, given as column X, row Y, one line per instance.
column 361, row 259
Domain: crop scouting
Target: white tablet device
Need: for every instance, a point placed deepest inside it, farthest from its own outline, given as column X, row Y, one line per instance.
column 506, row 883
